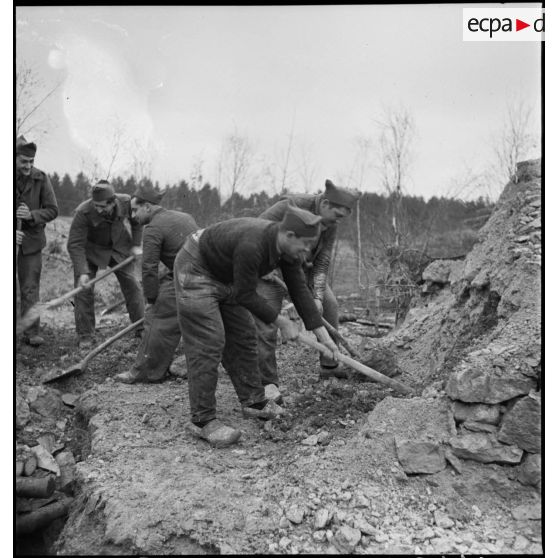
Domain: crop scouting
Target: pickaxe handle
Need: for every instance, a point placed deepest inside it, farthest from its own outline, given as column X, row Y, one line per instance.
column 363, row 369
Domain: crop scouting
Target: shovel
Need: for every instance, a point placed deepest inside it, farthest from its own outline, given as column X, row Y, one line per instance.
column 82, row 365
column 363, row 369
column 35, row 311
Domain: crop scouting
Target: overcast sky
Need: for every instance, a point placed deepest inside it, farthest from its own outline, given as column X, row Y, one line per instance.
column 178, row 80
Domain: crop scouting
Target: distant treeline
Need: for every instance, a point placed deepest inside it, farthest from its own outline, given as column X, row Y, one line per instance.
column 442, row 227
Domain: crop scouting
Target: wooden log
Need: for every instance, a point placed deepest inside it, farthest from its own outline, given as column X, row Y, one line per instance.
column 35, row 488
column 31, row 522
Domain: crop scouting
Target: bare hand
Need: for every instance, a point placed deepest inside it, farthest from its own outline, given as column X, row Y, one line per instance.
column 323, row 337
column 289, row 330
column 23, row 212
column 319, row 305
column 136, row 251
column 19, row 237
column 83, row 280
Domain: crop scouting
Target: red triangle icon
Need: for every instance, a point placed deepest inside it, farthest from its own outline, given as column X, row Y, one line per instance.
column 519, row 25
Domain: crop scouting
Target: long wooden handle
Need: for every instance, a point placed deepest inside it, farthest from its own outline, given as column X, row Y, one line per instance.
column 338, row 338
column 363, row 369
column 61, row 299
column 110, row 341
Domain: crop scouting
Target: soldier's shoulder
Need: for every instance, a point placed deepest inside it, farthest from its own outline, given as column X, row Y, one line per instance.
column 37, row 174
column 83, row 207
column 123, row 197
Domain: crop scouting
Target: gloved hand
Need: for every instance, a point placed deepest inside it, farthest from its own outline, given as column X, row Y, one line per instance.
column 289, row 330
column 19, row 237
column 83, row 279
column 22, row 212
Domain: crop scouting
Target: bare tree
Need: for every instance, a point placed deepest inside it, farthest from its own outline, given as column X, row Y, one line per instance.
column 286, row 157
column 306, row 167
column 515, row 140
column 396, row 133
column 31, row 95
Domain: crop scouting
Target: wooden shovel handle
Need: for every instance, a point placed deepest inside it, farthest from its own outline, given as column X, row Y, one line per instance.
column 363, row 369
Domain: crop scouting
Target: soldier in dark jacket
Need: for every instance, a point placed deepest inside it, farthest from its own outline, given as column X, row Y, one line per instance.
column 333, row 205
column 164, row 234
column 216, row 275
column 101, row 236
column 35, row 206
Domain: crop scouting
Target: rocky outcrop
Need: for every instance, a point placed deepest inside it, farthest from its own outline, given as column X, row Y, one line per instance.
column 521, row 425
column 484, row 448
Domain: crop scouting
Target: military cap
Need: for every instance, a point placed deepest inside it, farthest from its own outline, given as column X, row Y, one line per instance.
column 23, row 147
column 148, row 194
column 301, row 222
column 102, row 191
column 340, row 196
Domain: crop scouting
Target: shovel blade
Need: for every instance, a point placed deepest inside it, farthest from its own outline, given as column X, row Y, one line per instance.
column 76, row 369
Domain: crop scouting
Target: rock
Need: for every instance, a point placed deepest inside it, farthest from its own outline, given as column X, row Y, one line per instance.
column 47, row 404
column 442, row 520
column 310, row 441
column 48, row 441
column 520, row 543
column 361, row 501
column 380, row 537
column 319, row 536
column 484, row 448
column 284, row 542
column 476, row 380
column 453, row 460
column 321, row 518
column 473, row 426
column 419, row 456
column 364, row 527
column 69, row 399
column 284, row 523
column 521, row 424
column 438, row 271
column 67, row 464
column 324, row 438
column 346, row 538
column 530, row 470
column 527, row 511
column 30, row 466
column 45, row 460
column 477, row 412
column 295, row 514
column 22, row 412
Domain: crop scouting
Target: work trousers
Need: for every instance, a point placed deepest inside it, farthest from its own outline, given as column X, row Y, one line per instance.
column 160, row 337
column 267, row 333
column 84, row 301
column 214, row 329
column 29, row 277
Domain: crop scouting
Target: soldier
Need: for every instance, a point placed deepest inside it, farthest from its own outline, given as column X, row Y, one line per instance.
column 216, row 274
column 164, row 234
column 99, row 237
column 35, row 206
column 332, row 206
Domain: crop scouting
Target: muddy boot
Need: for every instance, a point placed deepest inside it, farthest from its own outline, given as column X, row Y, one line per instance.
column 218, row 435
column 272, row 393
column 269, row 411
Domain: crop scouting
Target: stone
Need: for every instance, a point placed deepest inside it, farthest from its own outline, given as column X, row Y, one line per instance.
column 418, row 456
column 520, row 543
column 473, row 426
column 67, row 464
column 346, row 538
column 476, row 380
column 310, row 441
column 453, row 460
column 438, row 271
column 521, row 424
column 380, row 537
column 22, row 412
column 530, row 470
column 319, row 536
column 364, row 527
column 284, row 523
column 284, row 542
column 69, row 399
column 47, row 404
column 527, row 511
column 324, row 438
column 477, row 412
column 295, row 514
column 484, row 448
column 361, row 501
column 321, row 518
column 442, row 520
column 45, row 460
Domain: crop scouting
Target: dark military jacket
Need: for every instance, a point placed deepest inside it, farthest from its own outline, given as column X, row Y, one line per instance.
column 321, row 253
column 97, row 239
column 162, row 239
column 36, row 192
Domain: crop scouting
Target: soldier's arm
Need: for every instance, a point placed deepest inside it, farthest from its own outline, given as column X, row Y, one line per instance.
column 49, row 207
column 321, row 264
column 77, row 240
column 152, row 246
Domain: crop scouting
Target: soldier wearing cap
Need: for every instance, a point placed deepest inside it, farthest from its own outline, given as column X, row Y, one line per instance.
column 164, row 234
column 216, row 275
column 36, row 205
column 333, row 205
column 101, row 235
